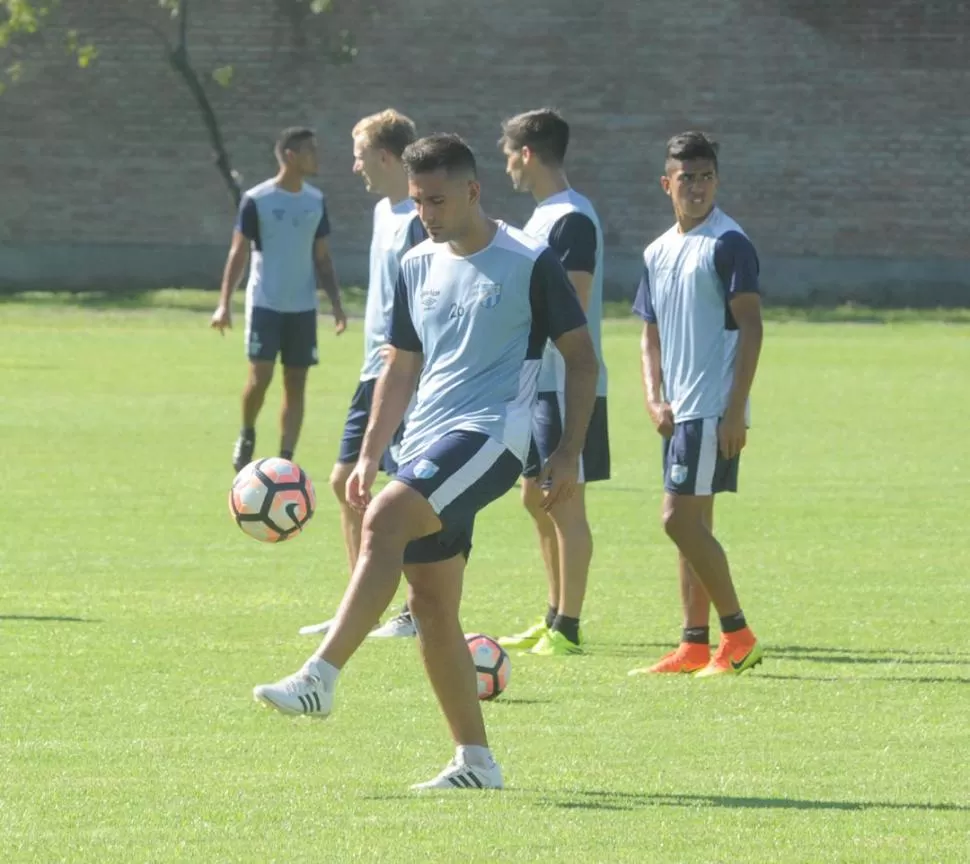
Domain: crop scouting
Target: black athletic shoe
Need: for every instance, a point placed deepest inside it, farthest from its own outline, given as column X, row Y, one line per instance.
column 242, row 453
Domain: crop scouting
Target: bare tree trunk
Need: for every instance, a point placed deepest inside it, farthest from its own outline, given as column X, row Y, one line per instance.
column 178, row 57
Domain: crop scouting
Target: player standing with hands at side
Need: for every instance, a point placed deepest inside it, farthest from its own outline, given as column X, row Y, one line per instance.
column 699, row 299
column 284, row 221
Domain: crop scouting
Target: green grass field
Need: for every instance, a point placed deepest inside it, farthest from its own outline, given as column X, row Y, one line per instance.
column 135, row 619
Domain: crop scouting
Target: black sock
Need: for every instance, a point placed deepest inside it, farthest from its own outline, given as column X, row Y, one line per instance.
column 287, row 455
column 569, row 627
column 248, row 433
column 405, row 611
column 733, row 623
column 696, row 635
column 551, row 614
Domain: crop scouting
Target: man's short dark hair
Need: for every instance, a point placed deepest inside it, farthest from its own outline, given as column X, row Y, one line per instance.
column 543, row 131
column 291, row 139
column 688, row 146
column 439, row 152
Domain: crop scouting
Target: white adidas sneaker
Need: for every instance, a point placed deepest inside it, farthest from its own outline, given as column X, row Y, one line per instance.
column 317, row 629
column 459, row 775
column 397, row 627
column 302, row 693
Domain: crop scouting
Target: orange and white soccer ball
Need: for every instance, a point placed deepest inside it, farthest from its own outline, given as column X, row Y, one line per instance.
column 492, row 665
column 272, row 499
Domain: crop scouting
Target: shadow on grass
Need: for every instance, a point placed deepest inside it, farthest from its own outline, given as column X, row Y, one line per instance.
column 61, row 618
column 594, row 799
column 888, row 656
column 603, row 800
column 861, row 679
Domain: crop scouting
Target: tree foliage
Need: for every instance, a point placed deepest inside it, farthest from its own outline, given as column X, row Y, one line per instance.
column 169, row 21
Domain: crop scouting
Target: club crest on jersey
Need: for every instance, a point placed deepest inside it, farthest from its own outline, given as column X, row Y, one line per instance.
column 489, row 294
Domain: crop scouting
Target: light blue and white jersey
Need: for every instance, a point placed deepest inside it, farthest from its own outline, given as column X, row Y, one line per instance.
column 569, row 224
column 687, row 285
column 481, row 323
column 282, row 227
column 396, row 230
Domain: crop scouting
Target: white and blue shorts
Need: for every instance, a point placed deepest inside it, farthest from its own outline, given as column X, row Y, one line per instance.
column 692, row 460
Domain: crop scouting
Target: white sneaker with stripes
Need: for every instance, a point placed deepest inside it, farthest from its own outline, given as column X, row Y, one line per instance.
column 460, row 775
column 400, row 626
column 301, row 693
column 317, row 629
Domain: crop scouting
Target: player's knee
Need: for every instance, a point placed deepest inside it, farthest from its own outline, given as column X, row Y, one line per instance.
column 338, row 481
column 259, row 379
column 429, row 607
column 294, row 381
column 570, row 516
column 532, row 498
column 680, row 522
column 386, row 523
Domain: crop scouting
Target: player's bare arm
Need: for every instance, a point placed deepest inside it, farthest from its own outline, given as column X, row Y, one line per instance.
column 732, row 430
column 231, row 276
column 327, row 281
column 560, row 474
column 392, row 395
column 583, row 283
column 657, row 407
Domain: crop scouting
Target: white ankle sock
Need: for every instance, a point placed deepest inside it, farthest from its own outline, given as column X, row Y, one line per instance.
column 475, row 755
column 323, row 670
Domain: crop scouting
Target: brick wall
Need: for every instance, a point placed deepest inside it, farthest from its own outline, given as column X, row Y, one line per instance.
column 845, row 129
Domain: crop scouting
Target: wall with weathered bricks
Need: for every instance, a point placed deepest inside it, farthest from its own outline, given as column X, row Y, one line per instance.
column 845, row 128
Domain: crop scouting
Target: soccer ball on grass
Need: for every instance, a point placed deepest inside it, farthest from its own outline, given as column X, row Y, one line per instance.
column 492, row 665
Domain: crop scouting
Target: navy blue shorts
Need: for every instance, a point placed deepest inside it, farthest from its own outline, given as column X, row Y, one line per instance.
column 358, row 416
column 547, row 423
column 460, row 474
column 693, row 464
column 292, row 335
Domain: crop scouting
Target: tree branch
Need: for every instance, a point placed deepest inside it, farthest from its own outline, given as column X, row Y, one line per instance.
column 178, row 57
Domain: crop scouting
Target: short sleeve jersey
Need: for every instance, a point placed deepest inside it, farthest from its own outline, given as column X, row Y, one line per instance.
column 686, row 288
column 397, row 229
column 568, row 222
column 481, row 323
column 281, row 228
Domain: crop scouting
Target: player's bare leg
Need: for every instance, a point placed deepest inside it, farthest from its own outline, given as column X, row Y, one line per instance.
column 548, row 538
column 694, row 597
column 254, row 393
column 549, row 547
column 434, row 597
column 394, row 518
column 351, row 520
column 291, row 412
column 687, row 524
column 351, row 523
column 575, row 549
column 688, row 520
